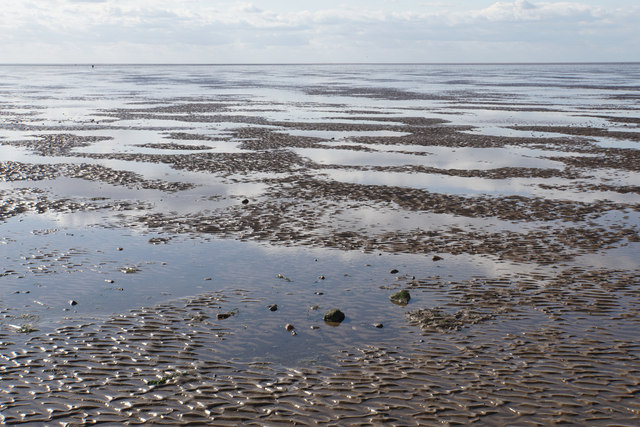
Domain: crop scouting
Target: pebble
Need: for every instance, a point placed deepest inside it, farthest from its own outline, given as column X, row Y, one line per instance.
column 73, row 302
column 321, row 277
column 289, row 327
column 245, row 202
column 437, row 258
column 394, row 271
column 273, row 307
column 378, row 325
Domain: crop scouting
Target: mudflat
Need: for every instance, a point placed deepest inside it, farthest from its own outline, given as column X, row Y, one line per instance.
column 174, row 237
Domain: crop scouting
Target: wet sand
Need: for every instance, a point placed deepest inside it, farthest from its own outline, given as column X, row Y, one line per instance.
column 519, row 247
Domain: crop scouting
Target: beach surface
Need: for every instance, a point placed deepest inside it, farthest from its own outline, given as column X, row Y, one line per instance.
column 172, row 236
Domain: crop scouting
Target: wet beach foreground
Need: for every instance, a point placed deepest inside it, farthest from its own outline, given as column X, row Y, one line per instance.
column 173, row 237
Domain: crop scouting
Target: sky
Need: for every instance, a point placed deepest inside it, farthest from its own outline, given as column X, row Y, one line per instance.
column 303, row 31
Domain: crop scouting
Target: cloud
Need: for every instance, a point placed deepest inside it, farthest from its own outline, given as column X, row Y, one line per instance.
column 312, row 31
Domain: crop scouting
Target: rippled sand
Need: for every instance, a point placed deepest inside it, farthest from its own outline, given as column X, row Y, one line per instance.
column 148, row 232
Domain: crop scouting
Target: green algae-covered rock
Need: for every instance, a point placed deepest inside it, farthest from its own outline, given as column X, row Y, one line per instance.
column 334, row 315
column 401, row 297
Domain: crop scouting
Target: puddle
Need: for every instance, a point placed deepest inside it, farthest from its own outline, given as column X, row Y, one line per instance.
column 342, row 135
column 438, row 157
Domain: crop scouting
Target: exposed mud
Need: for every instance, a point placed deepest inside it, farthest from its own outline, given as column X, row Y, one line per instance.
column 547, row 333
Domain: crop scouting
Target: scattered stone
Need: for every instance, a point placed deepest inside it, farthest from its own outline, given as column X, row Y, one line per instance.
column 289, row 327
column 334, row 315
column 121, row 249
column 314, row 327
column 319, row 293
column 73, row 302
column 245, row 202
column 401, row 298
column 207, row 278
column 109, row 280
column 378, row 325
column 273, row 307
column 222, row 316
column 321, row 277
column 394, row 271
column 437, row 258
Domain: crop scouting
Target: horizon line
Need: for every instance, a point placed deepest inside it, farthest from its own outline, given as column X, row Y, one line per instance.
column 304, row 63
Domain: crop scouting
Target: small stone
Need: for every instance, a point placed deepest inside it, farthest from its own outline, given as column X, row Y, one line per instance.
column 378, row 325
column 273, row 307
column 245, row 202
column 321, row 277
column 401, row 298
column 289, row 327
column 314, row 327
column 394, row 271
column 73, row 302
column 109, row 280
column 222, row 316
column 437, row 258
column 334, row 315
column 319, row 293
column 207, row 278
column 121, row 249
column 294, row 333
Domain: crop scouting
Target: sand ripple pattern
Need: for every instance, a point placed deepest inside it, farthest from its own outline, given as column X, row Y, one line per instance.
column 564, row 352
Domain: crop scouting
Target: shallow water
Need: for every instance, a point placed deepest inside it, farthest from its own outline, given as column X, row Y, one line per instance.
column 220, row 190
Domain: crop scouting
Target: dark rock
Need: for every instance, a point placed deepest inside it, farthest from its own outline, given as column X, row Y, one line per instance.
column 401, row 298
column 289, row 327
column 73, row 302
column 394, row 271
column 334, row 315
column 378, row 325
column 245, row 202
column 321, row 277
column 222, row 316
column 273, row 307
column 436, row 258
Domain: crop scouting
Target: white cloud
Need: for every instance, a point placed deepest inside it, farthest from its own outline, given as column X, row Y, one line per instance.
column 375, row 30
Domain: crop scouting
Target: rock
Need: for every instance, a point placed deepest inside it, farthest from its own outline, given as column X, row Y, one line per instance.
column 394, row 271
column 245, row 202
column 208, row 278
column 401, row 298
column 289, row 327
column 321, row 277
column 378, row 325
column 273, row 307
column 222, row 316
column 334, row 315
column 73, row 302
column 437, row 258
column 314, row 327
column 319, row 293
